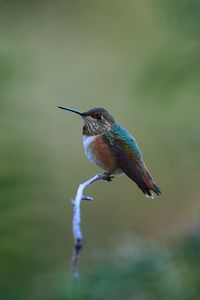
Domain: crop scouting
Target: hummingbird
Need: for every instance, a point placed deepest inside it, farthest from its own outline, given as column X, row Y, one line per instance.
column 112, row 148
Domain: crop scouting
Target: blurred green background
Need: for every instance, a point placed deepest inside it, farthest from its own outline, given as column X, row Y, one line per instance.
column 141, row 61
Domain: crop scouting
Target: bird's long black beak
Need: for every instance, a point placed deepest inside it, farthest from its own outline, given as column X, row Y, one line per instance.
column 72, row 110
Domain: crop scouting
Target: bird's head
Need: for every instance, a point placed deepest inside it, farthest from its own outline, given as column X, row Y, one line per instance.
column 96, row 120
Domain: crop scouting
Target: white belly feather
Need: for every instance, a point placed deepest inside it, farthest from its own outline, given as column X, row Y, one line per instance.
column 86, row 142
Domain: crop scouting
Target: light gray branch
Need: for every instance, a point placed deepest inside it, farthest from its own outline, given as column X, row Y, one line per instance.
column 76, row 222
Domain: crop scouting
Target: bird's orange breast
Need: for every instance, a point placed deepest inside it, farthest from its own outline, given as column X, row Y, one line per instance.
column 100, row 153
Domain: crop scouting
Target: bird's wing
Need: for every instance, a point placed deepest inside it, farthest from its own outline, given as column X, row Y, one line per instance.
column 130, row 160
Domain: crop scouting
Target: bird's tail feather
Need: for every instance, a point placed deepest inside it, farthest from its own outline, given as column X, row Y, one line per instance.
column 149, row 187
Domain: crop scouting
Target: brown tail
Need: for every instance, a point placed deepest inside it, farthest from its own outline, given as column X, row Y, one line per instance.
column 149, row 186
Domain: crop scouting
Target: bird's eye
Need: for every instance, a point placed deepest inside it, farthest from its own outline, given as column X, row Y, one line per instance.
column 98, row 117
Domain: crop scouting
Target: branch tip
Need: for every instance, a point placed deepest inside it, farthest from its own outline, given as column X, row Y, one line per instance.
column 88, row 198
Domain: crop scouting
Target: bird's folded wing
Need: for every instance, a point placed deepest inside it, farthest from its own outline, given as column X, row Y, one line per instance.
column 128, row 155
column 130, row 160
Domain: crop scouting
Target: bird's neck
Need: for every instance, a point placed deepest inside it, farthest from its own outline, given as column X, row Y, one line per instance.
column 91, row 130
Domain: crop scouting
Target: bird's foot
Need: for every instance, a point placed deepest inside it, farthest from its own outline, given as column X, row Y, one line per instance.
column 107, row 176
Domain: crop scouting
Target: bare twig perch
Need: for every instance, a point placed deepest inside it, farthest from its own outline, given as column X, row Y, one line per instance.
column 76, row 223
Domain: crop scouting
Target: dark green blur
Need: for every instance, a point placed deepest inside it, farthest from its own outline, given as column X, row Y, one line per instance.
column 140, row 60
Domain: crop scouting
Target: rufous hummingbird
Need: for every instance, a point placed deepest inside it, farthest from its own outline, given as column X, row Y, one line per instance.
column 113, row 149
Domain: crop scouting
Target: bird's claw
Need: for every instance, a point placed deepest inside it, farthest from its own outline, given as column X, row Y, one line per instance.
column 107, row 176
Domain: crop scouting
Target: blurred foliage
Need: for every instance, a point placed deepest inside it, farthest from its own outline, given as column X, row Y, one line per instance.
column 183, row 16
column 140, row 60
column 149, row 271
column 157, row 273
column 173, row 68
